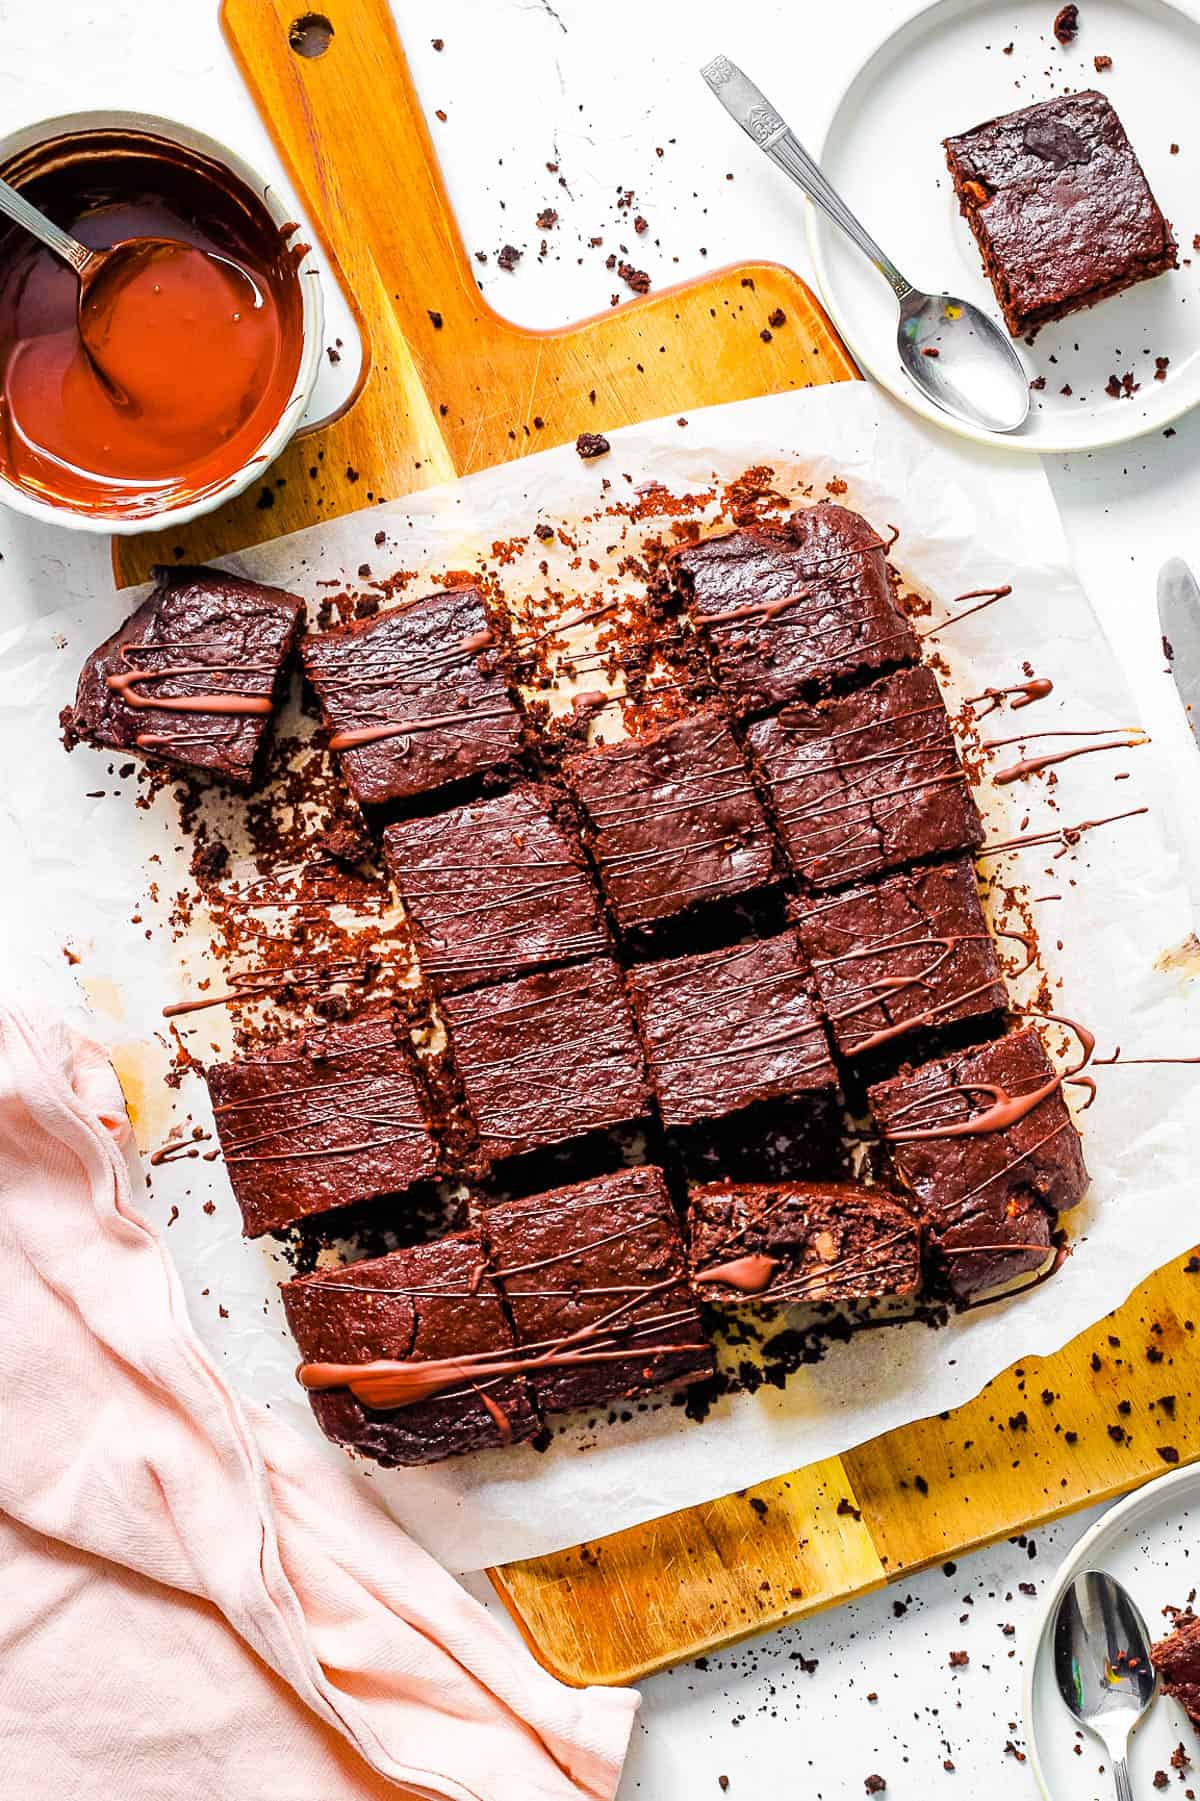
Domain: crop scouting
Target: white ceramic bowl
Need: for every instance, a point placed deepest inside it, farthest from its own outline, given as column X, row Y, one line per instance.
column 311, row 326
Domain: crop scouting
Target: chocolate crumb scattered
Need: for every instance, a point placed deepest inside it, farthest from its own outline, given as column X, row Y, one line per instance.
column 435, row 319
column 1066, row 24
column 875, row 1785
column 637, row 279
column 1101, row 63
column 959, row 1660
column 547, row 219
column 509, row 256
column 777, row 318
column 591, row 444
column 438, row 43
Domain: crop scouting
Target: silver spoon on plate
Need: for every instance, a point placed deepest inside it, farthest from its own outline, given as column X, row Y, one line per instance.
column 1102, row 1665
column 958, row 357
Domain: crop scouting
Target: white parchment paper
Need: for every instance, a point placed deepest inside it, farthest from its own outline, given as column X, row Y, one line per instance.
column 81, row 866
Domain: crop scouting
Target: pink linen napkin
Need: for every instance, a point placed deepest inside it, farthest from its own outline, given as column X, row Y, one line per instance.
column 193, row 1601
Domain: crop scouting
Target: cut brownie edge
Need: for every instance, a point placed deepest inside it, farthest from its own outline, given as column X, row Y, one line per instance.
column 792, row 1243
column 1177, row 1660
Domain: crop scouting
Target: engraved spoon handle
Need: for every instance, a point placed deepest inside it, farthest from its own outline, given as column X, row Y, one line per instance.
column 21, row 212
column 759, row 120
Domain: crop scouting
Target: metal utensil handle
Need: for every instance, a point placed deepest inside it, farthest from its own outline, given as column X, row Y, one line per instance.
column 1121, row 1782
column 21, row 212
column 760, row 121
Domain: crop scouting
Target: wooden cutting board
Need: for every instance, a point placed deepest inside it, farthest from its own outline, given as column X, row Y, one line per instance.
column 449, row 387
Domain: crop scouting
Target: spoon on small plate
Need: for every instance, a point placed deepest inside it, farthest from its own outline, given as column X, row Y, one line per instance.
column 1102, row 1665
column 106, row 275
column 958, row 357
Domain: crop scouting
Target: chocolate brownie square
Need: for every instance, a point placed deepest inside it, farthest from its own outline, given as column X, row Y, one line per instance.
column 320, row 1121
column 867, row 781
column 1177, row 1660
column 672, row 820
column 986, row 1144
column 729, row 1029
column 415, row 698
column 594, row 1279
column 772, row 1243
column 423, row 1305
column 785, row 608
column 910, row 953
column 548, row 1058
column 1061, row 210
column 495, row 889
column 193, row 677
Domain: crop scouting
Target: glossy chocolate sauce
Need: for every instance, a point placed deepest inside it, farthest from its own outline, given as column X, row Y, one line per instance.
column 192, row 352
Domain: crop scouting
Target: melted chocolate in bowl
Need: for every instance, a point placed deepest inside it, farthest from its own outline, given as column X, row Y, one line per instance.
column 203, row 352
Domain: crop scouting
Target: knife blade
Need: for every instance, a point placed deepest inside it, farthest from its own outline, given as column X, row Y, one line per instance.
column 1179, row 617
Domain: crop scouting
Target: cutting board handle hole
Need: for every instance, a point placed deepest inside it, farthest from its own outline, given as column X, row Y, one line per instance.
column 310, row 35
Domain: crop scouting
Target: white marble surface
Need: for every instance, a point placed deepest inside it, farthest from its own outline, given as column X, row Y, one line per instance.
column 599, row 89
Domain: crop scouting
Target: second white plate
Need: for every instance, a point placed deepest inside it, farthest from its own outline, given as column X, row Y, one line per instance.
column 1151, row 1542
column 948, row 69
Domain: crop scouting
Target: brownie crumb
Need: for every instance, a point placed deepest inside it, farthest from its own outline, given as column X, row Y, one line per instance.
column 435, row 319
column 1066, row 24
column 637, row 279
column 1168, row 1453
column 723, row 1784
column 591, row 444
column 547, row 219
column 875, row 1785
column 1101, row 63
column 959, row 1660
column 438, row 43
column 544, row 532
column 777, row 318
column 1161, row 364
column 509, row 256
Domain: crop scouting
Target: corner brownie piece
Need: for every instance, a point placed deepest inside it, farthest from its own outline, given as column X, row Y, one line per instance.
column 672, row 820
column 909, row 953
column 494, row 889
column 1060, row 208
column 193, row 677
column 415, row 698
column 784, row 608
column 1177, row 1660
column 867, row 781
column 729, row 1029
column 321, row 1121
column 547, row 1058
column 416, row 1306
column 593, row 1275
column 990, row 1194
column 774, row 1243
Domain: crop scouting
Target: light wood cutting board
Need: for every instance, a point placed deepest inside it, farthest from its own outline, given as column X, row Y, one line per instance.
column 440, row 400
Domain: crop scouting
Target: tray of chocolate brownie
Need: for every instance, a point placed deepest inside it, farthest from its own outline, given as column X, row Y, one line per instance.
column 1045, row 180
column 648, row 980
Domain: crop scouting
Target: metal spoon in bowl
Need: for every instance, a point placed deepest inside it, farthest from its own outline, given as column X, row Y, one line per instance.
column 958, row 357
column 1102, row 1665
column 103, row 274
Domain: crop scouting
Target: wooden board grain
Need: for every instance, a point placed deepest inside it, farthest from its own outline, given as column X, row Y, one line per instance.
column 440, row 400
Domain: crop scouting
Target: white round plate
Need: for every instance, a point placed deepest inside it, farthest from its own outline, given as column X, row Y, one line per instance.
column 1151, row 1543
column 947, row 70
